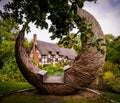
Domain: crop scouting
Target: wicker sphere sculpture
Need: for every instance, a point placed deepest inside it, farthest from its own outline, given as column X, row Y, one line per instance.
column 81, row 73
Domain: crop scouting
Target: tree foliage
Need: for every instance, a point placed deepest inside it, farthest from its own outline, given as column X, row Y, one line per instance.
column 111, row 75
column 7, row 36
column 111, row 68
column 8, row 29
column 113, row 49
column 71, row 41
column 8, row 67
column 61, row 13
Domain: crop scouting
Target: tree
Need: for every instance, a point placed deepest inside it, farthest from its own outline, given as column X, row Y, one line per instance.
column 6, row 37
column 111, row 68
column 113, row 48
column 9, row 69
column 62, row 14
column 8, row 66
column 8, row 29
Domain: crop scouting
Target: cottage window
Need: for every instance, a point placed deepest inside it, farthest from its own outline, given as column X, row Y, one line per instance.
column 51, row 60
column 48, row 60
column 40, row 59
column 57, row 56
column 56, row 59
column 57, row 53
column 45, row 58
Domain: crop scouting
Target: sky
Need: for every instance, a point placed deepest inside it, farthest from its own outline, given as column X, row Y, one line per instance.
column 107, row 13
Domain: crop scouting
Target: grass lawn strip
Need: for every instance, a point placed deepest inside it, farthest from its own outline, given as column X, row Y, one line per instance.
column 112, row 96
column 11, row 87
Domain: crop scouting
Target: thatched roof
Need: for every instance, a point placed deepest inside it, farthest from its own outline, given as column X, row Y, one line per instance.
column 46, row 48
column 68, row 53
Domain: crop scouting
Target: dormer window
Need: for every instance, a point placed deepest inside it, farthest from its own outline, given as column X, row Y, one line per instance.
column 57, row 52
column 50, row 52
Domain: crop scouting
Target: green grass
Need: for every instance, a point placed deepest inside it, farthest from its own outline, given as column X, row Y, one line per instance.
column 115, row 97
column 7, row 87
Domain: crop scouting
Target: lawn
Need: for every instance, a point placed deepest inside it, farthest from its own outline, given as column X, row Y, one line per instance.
column 112, row 96
column 7, row 87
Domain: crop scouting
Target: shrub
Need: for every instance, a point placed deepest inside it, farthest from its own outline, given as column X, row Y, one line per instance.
column 67, row 63
column 115, row 84
column 59, row 64
column 53, row 70
column 109, row 66
column 108, row 76
column 111, row 75
column 13, row 76
column 40, row 66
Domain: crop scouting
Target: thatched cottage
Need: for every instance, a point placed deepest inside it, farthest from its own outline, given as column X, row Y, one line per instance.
column 45, row 53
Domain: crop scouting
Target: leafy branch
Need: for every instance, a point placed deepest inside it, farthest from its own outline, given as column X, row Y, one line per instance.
column 61, row 13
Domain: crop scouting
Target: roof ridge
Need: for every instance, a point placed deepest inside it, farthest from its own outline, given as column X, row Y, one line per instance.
column 45, row 42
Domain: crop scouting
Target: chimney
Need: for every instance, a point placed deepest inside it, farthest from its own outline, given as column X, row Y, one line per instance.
column 35, row 54
column 35, row 39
